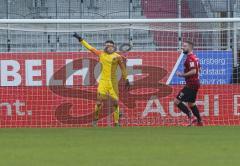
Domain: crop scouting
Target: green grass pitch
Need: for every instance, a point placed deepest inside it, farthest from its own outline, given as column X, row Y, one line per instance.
column 145, row 146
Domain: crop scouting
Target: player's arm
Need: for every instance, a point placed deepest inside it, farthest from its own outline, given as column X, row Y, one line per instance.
column 124, row 71
column 188, row 74
column 86, row 45
column 193, row 70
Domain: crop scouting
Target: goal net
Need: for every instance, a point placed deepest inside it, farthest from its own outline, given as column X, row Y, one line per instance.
column 49, row 80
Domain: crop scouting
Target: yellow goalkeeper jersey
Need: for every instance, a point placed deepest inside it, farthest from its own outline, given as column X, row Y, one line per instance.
column 109, row 63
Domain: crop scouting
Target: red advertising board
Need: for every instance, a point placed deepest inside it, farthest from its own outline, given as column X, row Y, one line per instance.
column 59, row 90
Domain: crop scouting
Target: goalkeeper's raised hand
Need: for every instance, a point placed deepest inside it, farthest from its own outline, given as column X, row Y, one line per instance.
column 77, row 36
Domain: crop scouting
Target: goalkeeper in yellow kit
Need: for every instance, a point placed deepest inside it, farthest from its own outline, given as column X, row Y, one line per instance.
column 108, row 84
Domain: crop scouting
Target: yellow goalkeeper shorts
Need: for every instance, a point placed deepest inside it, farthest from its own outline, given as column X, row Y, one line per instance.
column 108, row 89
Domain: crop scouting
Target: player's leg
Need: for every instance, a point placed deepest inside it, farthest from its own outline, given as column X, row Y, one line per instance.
column 114, row 93
column 116, row 113
column 192, row 105
column 101, row 96
column 98, row 107
column 178, row 101
column 196, row 113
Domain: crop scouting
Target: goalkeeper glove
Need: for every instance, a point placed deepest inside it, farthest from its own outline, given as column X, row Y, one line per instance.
column 77, row 36
column 127, row 84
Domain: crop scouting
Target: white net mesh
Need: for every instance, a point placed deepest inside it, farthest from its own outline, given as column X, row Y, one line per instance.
column 214, row 35
column 49, row 80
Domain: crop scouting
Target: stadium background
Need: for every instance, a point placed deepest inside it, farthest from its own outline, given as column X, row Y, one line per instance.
column 62, row 107
column 132, row 146
column 13, row 41
column 112, row 9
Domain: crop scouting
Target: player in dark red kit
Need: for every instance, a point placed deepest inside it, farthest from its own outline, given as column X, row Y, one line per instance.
column 189, row 93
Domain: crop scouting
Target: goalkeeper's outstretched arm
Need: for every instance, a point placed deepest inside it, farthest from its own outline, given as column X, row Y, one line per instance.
column 86, row 45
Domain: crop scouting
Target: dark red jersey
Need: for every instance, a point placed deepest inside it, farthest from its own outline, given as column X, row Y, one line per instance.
column 192, row 62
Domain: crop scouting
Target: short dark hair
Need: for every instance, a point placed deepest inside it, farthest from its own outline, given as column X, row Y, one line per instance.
column 190, row 43
column 110, row 41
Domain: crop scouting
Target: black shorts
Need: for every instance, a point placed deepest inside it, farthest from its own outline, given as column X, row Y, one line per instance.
column 187, row 95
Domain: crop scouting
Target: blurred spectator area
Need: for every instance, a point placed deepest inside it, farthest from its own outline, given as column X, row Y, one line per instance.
column 89, row 9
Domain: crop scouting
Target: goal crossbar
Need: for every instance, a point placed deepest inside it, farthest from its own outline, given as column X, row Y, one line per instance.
column 116, row 21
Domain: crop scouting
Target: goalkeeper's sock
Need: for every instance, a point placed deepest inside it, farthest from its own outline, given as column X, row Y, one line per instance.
column 97, row 110
column 116, row 114
column 184, row 109
column 196, row 113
